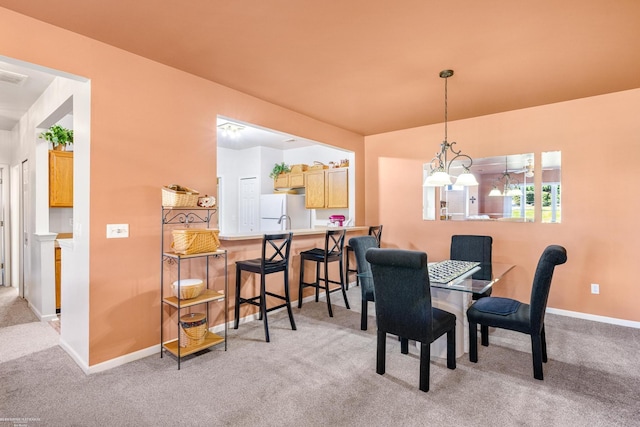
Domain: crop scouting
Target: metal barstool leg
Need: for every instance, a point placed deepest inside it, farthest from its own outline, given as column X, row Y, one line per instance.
column 263, row 305
column 288, row 300
column 317, row 280
column 301, row 282
column 344, row 292
column 237, row 307
column 326, row 284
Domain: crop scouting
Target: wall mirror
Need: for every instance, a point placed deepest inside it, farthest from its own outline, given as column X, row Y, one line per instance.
column 550, row 187
column 505, row 191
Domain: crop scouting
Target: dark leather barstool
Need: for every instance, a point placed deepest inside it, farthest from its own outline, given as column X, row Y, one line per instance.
column 332, row 252
column 275, row 258
column 375, row 231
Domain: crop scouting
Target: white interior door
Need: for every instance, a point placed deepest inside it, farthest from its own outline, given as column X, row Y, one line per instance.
column 249, row 204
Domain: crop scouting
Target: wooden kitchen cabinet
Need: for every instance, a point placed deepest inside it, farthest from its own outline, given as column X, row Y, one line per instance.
column 281, row 181
column 337, row 184
column 327, row 189
column 296, row 180
column 60, row 179
column 289, row 180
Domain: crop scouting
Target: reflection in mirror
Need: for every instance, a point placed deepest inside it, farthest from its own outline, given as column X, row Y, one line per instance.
column 505, row 191
column 428, row 197
column 551, row 168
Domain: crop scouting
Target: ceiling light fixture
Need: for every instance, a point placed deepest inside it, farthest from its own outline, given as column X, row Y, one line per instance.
column 439, row 175
column 230, row 129
column 511, row 186
column 529, row 168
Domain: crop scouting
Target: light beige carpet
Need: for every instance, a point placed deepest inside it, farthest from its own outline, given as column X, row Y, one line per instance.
column 21, row 333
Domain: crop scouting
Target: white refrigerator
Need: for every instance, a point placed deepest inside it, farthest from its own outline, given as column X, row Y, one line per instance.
column 274, row 206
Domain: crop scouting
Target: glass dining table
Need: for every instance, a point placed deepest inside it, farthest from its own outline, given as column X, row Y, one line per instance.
column 455, row 297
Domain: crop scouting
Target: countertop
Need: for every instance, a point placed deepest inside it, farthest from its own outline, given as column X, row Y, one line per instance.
column 62, row 236
column 296, row 232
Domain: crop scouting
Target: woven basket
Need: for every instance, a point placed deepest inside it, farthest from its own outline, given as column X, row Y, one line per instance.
column 195, row 240
column 193, row 329
column 189, row 288
column 177, row 196
column 317, row 166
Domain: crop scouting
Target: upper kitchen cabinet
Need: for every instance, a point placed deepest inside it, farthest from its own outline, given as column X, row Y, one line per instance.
column 327, row 188
column 289, row 180
column 60, row 179
column 281, row 181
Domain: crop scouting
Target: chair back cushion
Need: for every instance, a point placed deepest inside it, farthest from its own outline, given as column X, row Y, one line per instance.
column 402, row 293
column 553, row 255
column 360, row 245
column 473, row 248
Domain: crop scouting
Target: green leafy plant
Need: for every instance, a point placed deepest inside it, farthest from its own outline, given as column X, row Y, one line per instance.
column 279, row 168
column 58, row 135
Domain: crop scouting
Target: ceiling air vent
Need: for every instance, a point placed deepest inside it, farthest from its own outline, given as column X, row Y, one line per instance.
column 12, row 78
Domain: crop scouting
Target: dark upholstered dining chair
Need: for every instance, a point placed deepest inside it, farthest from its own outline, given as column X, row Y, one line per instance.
column 360, row 245
column 375, row 231
column 466, row 247
column 275, row 258
column 332, row 252
column 507, row 313
column 477, row 249
column 403, row 307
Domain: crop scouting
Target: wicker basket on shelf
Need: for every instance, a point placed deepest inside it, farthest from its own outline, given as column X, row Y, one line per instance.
column 193, row 329
column 178, row 196
column 190, row 241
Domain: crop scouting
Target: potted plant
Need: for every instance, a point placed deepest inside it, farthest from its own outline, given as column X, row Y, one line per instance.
column 58, row 136
column 279, row 168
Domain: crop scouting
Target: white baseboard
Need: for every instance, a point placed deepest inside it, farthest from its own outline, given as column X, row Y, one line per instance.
column 76, row 358
column 40, row 316
column 595, row 318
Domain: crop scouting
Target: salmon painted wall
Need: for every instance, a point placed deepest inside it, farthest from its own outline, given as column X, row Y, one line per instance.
column 151, row 125
column 599, row 218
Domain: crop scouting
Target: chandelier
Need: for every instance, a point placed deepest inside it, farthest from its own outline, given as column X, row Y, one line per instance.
column 439, row 174
column 511, row 186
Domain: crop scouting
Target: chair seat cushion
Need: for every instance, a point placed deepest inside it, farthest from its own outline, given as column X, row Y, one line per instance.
column 443, row 321
column 497, row 305
column 483, row 312
column 318, row 254
column 255, row 265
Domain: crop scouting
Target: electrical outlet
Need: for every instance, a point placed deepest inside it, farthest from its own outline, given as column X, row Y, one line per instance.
column 117, row 231
column 595, row 288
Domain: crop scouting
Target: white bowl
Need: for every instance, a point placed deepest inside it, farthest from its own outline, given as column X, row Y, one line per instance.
column 189, row 288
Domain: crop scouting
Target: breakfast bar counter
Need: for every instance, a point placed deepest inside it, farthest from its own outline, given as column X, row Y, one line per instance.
column 317, row 231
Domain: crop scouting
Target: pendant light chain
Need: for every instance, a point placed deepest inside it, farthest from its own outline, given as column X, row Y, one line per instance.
column 445, row 108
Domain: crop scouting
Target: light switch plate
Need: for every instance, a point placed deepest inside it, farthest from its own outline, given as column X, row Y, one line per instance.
column 117, row 231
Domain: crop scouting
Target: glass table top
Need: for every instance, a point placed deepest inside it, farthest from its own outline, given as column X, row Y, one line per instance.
column 465, row 283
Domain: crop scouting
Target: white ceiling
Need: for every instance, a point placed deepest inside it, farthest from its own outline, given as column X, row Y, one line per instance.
column 252, row 136
column 15, row 100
